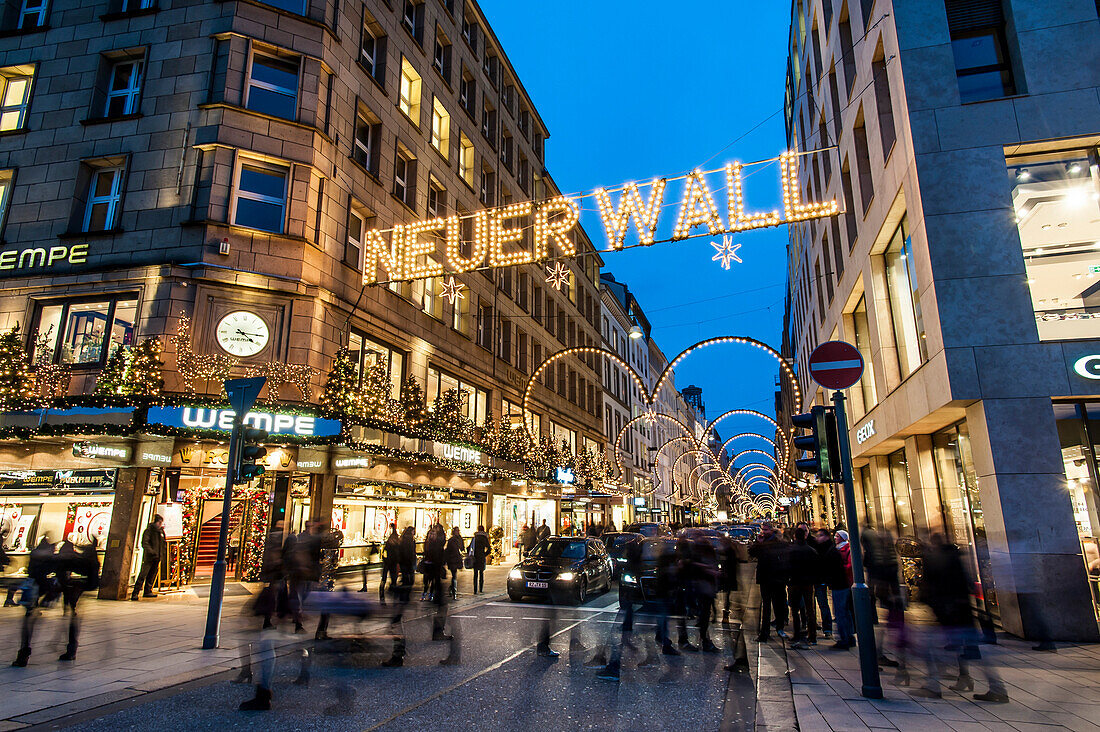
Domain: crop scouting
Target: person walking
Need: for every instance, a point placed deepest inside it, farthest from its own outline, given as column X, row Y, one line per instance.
column 770, row 552
column 821, row 540
column 435, row 569
column 406, row 563
column 543, row 532
column 391, row 551
column 453, row 552
column 836, row 567
column 527, row 541
column 729, row 569
column 945, row 588
column 154, row 547
column 804, row 571
column 480, row 547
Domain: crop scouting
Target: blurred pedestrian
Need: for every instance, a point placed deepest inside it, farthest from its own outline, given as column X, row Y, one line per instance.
column 543, row 532
column 945, row 587
column 77, row 573
column 705, row 586
column 685, row 598
column 804, row 572
column 667, row 588
column 406, row 562
column 154, row 548
column 770, row 552
column 454, row 551
column 391, row 550
column 480, row 548
column 729, row 570
column 881, row 565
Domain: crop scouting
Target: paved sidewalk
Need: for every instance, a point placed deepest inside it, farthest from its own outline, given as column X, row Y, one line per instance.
column 128, row 649
column 1048, row 691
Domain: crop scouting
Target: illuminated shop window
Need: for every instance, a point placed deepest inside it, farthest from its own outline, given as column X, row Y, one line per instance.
column 1055, row 197
column 905, row 308
column 83, row 333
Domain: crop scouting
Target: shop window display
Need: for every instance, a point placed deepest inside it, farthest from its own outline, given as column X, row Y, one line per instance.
column 1079, row 434
column 1057, row 206
column 24, row 522
column 85, row 333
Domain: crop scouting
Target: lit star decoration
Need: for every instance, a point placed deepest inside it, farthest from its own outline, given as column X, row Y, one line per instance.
column 452, row 290
column 727, row 250
column 557, row 275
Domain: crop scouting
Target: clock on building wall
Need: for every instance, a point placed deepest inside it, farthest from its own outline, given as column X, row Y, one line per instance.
column 242, row 333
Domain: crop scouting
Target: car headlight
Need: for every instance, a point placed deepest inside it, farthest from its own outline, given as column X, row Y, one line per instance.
column 566, row 576
column 515, row 574
column 629, row 579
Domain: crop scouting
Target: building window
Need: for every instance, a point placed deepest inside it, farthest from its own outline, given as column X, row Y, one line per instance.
column 902, row 495
column 469, row 32
column 905, row 310
column 441, row 128
column 367, row 353
column 506, row 151
column 467, row 92
column 491, row 66
column 978, row 42
column 83, row 333
column 409, row 99
column 32, row 14
column 489, row 122
column 460, row 315
column 359, row 222
column 260, row 195
column 372, row 48
column 412, row 19
column 466, row 159
column 104, row 199
column 1055, row 200
column 273, row 85
column 512, row 413
column 124, row 87
column 441, row 58
column 7, row 182
column 863, row 164
column 437, row 198
column 488, row 186
column 15, row 96
column 883, row 103
column 475, row 402
column 485, row 326
column 861, row 331
column 365, row 145
column 404, row 177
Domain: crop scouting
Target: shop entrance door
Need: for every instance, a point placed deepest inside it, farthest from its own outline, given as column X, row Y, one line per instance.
column 209, row 530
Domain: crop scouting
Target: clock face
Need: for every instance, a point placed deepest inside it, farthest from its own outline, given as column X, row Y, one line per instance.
column 242, row 333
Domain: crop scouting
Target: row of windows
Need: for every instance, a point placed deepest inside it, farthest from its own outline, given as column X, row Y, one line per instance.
column 33, row 15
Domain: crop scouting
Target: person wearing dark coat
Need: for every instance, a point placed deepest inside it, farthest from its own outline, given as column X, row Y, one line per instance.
column 704, row 585
column 406, row 563
column 453, row 552
column 804, row 573
column 154, row 547
column 391, row 550
column 820, row 541
column 729, row 567
column 527, row 541
column 480, row 549
column 770, row 552
column 945, row 588
column 543, row 532
column 435, row 569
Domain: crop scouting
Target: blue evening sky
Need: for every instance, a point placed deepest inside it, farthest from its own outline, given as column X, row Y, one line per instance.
column 632, row 91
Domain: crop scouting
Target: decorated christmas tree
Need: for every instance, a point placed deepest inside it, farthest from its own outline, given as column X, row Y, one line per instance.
column 539, row 458
column 376, row 390
column 447, row 421
column 413, row 406
column 16, row 382
column 341, row 394
column 494, row 434
column 132, row 371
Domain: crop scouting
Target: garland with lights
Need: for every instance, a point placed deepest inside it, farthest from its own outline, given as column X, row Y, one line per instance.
column 251, row 550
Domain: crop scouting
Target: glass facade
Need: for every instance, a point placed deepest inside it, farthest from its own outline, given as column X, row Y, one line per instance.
column 1079, row 435
column 902, row 496
column 905, row 310
column 1055, row 197
column 957, row 483
column 861, row 330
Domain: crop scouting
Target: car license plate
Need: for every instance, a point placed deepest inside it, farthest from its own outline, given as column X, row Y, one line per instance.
column 538, row 585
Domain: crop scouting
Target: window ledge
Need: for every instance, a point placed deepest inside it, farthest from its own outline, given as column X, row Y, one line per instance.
column 1007, row 98
column 107, row 17
column 419, row 43
column 289, row 14
column 24, row 31
column 411, row 121
column 244, row 229
column 107, row 120
column 91, row 234
column 409, row 208
column 264, row 115
column 469, row 113
column 11, row 133
column 369, row 75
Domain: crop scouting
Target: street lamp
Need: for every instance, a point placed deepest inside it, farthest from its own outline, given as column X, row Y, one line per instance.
column 636, row 331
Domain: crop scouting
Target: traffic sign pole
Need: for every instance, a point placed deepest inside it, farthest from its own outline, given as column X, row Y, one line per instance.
column 242, row 395
column 861, row 596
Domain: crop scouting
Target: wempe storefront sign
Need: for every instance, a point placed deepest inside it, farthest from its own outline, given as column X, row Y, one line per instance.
column 97, row 450
column 274, row 423
column 58, row 480
column 448, row 451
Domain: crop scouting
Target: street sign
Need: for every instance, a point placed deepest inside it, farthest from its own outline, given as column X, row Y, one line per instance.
column 836, row 365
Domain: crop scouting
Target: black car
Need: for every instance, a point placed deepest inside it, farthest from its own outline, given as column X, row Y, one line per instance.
column 562, row 568
column 648, row 529
column 642, row 587
column 616, row 543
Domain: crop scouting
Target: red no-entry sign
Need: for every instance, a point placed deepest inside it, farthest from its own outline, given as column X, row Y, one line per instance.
column 836, row 365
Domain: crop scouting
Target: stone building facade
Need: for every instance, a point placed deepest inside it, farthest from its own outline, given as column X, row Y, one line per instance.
column 960, row 138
